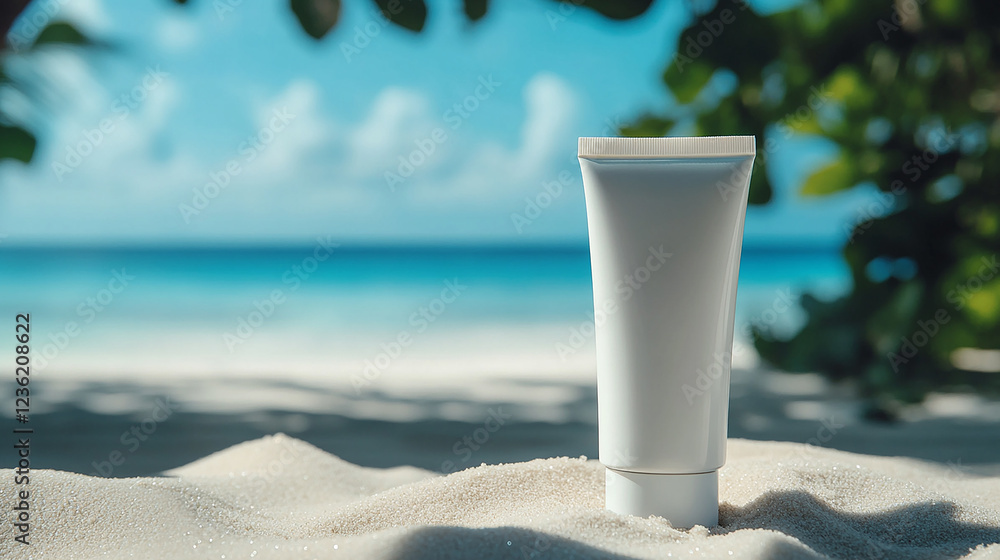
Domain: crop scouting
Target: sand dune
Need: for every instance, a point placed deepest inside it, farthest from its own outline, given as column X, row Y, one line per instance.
column 279, row 497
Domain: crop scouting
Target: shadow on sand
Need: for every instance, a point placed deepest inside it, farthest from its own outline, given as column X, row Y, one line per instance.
column 919, row 530
column 461, row 543
column 74, row 435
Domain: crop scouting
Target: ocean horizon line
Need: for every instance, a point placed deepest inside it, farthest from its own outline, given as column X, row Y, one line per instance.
column 774, row 247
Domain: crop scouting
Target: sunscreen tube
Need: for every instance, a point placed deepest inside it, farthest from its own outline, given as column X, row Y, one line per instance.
column 665, row 217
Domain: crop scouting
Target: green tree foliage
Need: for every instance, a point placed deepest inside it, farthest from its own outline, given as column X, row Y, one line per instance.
column 16, row 141
column 910, row 94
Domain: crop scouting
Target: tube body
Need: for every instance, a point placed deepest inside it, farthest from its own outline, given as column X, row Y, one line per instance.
column 665, row 218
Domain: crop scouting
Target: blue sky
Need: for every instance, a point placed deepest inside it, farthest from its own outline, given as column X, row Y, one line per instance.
column 191, row 93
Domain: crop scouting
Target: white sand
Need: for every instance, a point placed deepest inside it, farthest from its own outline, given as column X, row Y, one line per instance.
column 278, row 497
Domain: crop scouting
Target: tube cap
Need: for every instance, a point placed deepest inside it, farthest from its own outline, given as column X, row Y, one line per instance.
column 685, row 500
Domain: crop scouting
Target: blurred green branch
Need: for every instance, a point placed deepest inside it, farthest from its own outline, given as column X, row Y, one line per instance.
column 910, row 95
column 16, row 141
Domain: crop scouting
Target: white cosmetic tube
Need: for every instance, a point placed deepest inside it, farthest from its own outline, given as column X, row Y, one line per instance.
column 665, row 217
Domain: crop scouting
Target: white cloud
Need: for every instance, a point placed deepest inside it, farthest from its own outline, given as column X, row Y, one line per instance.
column 98, row 163
column 551, row 107
column 299, row 131
column 177, row 33
column 87, row 14
column 489, row 171
column 111, row 131
column 315, row 174
column 461, row 168
column 397, row 117
column 71, row 82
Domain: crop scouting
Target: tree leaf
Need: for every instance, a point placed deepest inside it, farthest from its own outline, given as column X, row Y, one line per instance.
column 16, row 143
column 10, row 11
column 649, row 126
column 317, row 17
column 760, row 186
column 408, row 14
column 614, row 9
column 476, row 9
column 62, row 33
column 830, row 178
column 896, row 318
column 686, row 79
